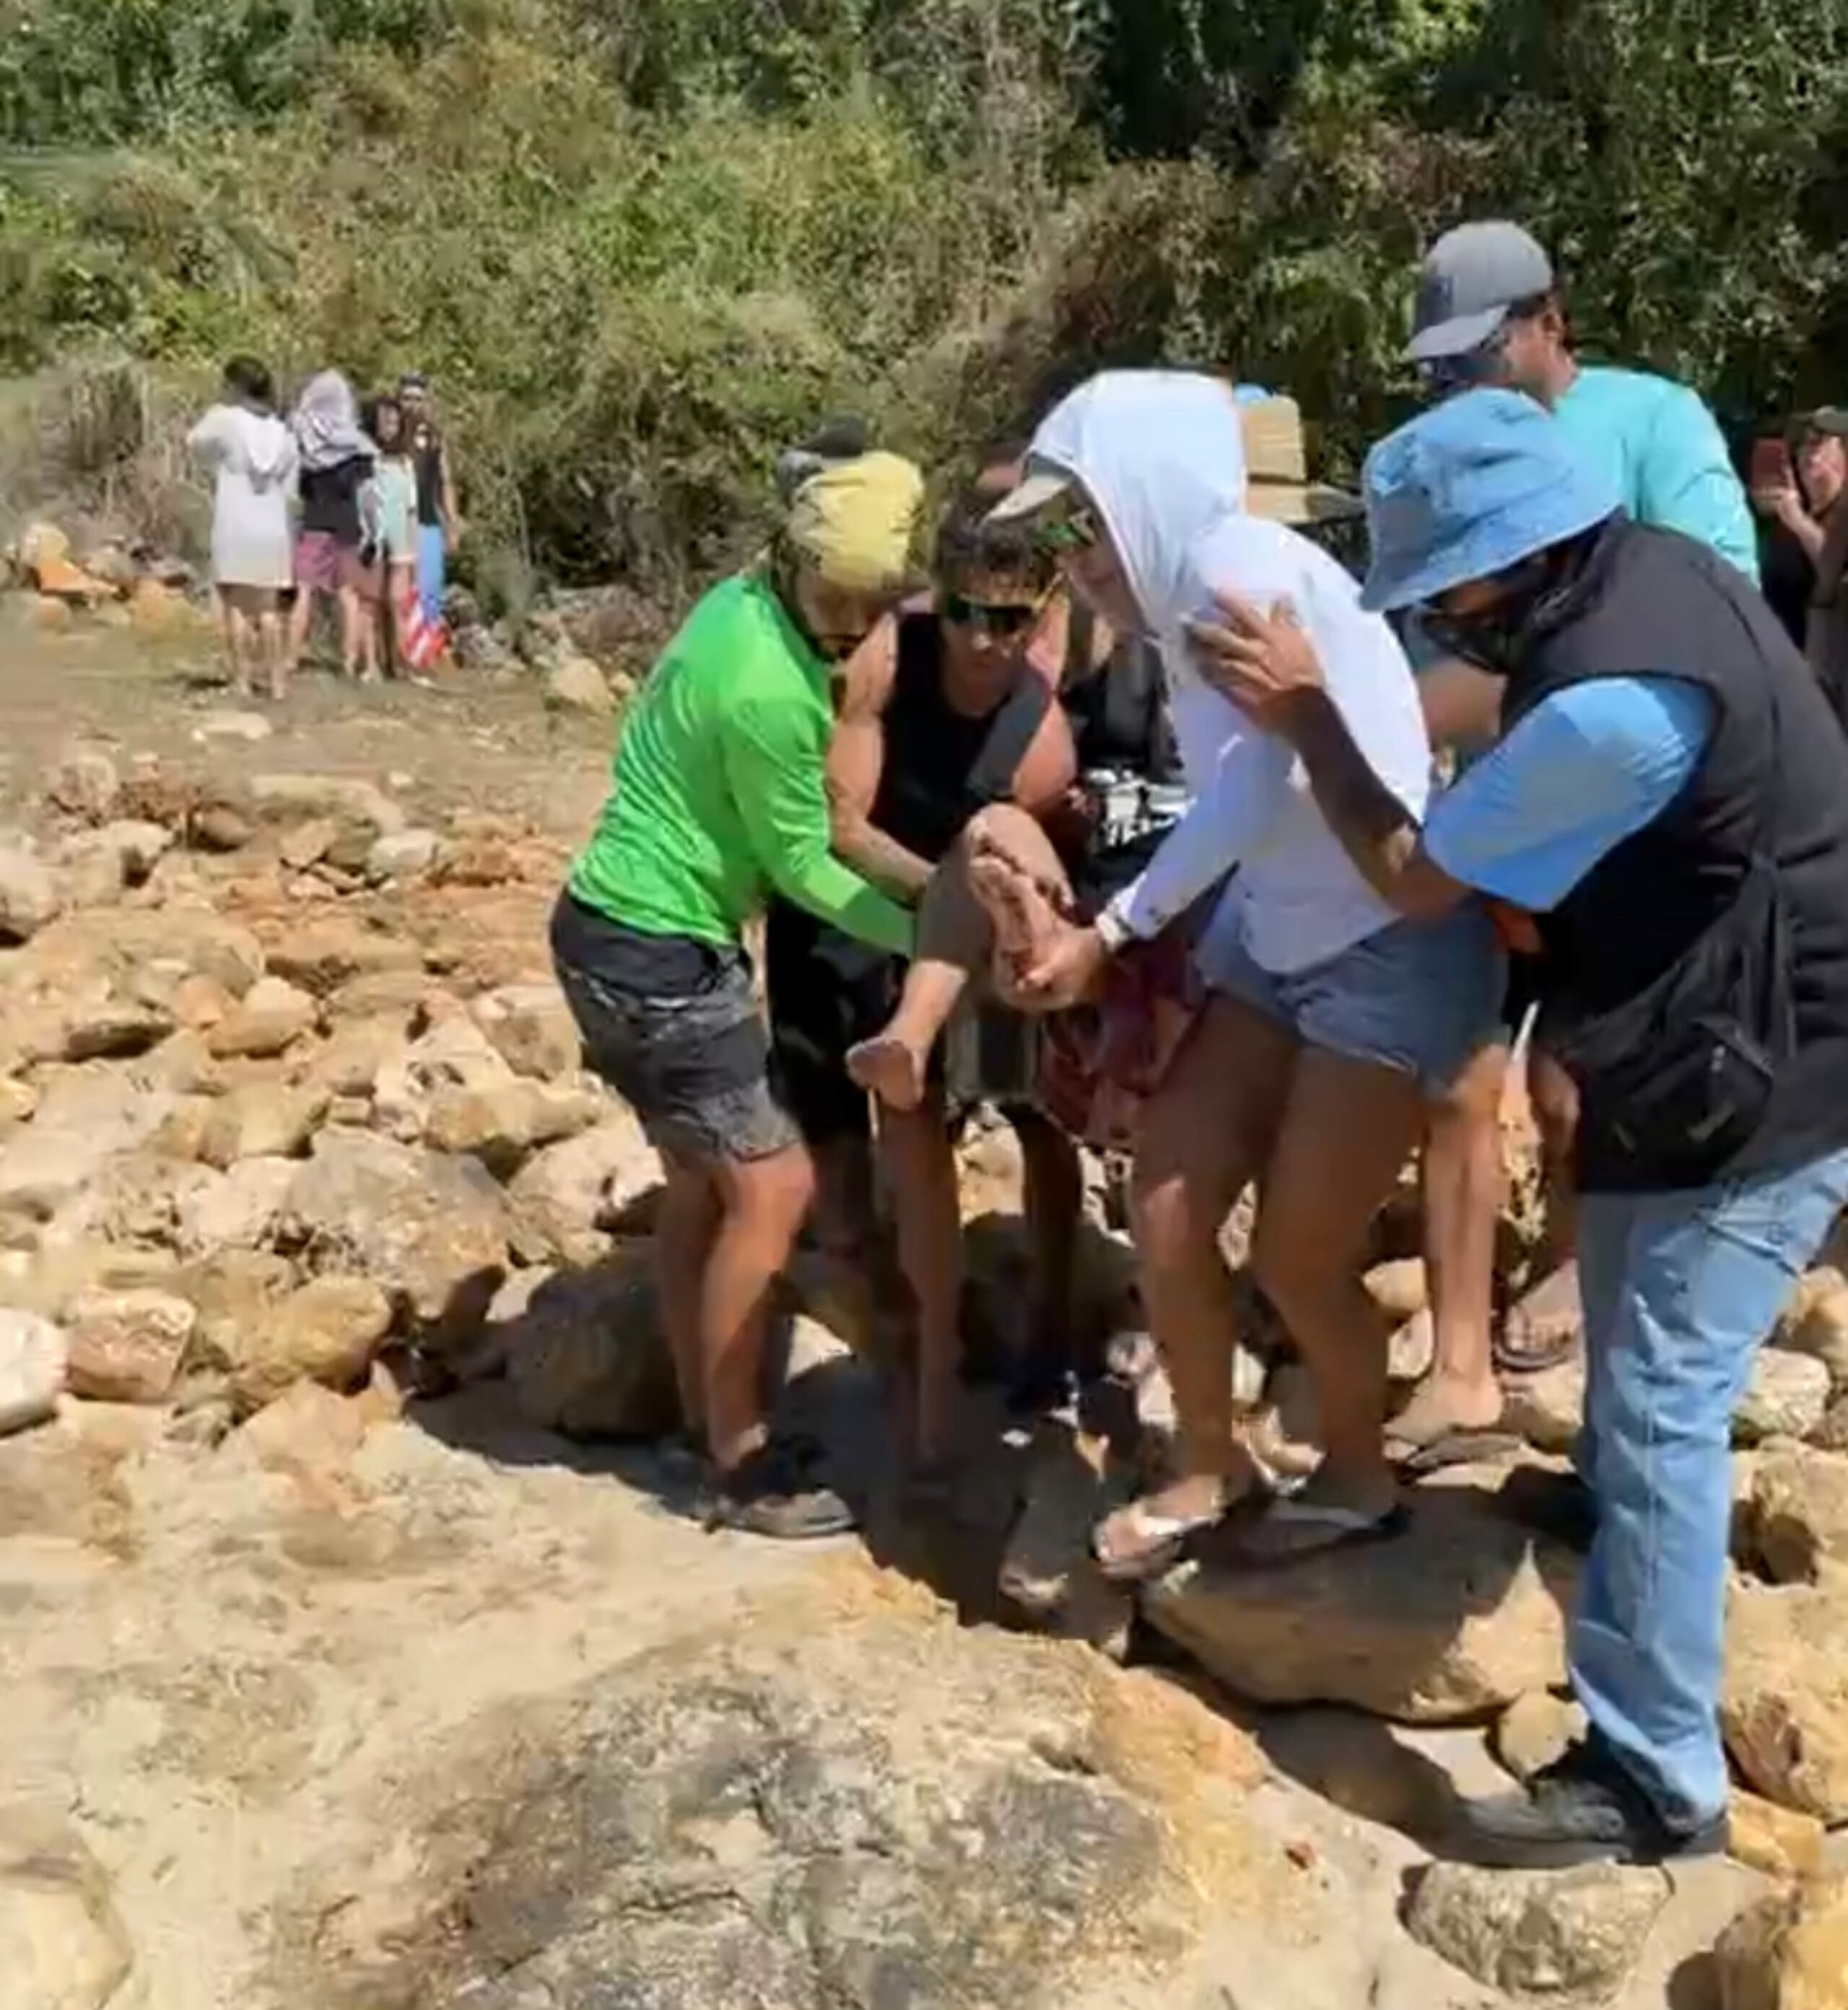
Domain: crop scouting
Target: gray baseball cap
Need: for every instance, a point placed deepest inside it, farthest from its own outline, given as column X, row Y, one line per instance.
column 1470, row 279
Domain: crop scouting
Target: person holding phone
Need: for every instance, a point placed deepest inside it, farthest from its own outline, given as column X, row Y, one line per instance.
column 1799, row 481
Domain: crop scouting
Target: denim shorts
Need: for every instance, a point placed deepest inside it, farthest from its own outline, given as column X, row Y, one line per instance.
column 1422, row 998
column 692, row 1061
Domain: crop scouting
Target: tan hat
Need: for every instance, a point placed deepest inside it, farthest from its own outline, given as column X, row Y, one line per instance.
column 1276, row 483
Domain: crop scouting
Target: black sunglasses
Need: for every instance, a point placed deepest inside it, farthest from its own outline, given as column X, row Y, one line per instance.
column 1008, row 617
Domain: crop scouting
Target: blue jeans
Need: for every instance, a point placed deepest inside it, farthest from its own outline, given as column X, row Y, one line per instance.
column 1679, row 1289
column 432, row 560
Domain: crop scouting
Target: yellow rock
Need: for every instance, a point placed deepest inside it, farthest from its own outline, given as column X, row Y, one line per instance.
column 1790, row 1952
column 1778, row 1841
column 1399, row 1289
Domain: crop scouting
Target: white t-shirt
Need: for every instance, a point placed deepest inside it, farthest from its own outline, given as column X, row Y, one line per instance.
column 1297, row 897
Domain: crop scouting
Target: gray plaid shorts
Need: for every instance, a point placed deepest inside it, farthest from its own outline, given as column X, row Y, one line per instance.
column 694, row 1063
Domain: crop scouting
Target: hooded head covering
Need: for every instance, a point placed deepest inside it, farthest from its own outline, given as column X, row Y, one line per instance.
column 855, row 521
column 327, row 427
column 1160, row 455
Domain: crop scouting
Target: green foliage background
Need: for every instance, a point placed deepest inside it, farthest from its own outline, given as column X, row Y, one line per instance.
column 641, row 243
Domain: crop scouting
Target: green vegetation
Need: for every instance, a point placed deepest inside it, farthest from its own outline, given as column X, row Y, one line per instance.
column 641, row 242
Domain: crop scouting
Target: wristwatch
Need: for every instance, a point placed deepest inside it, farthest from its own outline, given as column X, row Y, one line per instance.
column 1112, row 930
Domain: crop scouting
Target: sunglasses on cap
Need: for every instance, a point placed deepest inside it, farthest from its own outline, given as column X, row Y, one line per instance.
column 1073, row 531
column 1005, row 617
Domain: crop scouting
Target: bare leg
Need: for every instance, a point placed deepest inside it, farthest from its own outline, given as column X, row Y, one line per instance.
column 1055, row 1207
column 1464, row 1182
column 237, row 639
column 1203, row 1136
column 1346, row 1131
column 370, row 617
column 956, row 940
column 917, row 1150
column 300, row 615
column 1540, row 1326
column 762, row 1202
column 272, row 649
column 684, row 1235
column 352, row 637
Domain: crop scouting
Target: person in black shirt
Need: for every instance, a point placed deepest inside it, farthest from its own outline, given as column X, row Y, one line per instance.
column 941, row 715
column 439, row 522
column 1804, row 517
column 336, row 551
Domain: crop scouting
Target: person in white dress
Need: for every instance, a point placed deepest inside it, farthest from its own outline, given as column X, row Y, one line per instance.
column 252, row 456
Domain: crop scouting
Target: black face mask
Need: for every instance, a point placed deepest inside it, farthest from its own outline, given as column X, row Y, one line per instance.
column 1496, row 638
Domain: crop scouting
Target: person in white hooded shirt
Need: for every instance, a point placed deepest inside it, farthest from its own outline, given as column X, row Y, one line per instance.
column 1329, row 1016
column 252, row 456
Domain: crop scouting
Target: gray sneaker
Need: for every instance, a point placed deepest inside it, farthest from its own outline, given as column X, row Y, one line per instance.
column 1582, row 1809
column 772, row 1493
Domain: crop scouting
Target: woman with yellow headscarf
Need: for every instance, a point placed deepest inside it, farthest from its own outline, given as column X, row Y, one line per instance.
column 718, row 800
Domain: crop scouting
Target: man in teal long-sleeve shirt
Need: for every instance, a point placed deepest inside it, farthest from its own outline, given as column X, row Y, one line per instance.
column 718, row 800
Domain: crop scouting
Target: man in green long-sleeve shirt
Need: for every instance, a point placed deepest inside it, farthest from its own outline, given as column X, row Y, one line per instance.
column 718, row 799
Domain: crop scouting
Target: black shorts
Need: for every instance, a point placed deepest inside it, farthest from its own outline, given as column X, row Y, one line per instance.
column 672, row 1025
column 828, row 992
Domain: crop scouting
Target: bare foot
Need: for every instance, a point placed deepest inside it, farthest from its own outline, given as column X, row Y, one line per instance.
column 1545, row 1327
column 890, row 1068
column 1147, row 1537
column 1444, row 1407
column 1027, row 923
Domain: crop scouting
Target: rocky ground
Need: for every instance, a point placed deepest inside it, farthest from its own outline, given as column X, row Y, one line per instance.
column 356, row 1655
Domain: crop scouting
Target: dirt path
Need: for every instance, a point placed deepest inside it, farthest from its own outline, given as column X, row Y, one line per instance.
column 485, row 742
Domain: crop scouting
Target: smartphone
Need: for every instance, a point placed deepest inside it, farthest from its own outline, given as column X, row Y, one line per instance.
column 1772, row 468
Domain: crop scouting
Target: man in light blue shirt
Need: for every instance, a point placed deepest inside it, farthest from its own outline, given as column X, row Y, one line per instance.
column 1489, row 312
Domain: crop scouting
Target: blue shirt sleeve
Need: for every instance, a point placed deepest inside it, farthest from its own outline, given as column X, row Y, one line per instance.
column 1685, row 482
column 1587, row 768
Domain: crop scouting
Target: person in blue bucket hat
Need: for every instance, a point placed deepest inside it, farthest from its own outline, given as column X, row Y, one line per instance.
column 1663, row 815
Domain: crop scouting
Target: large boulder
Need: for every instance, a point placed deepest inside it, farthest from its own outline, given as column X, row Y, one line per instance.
column 1455, row 1619
column 237, row 1209
column 289, row 799
column 1784, row 1705
column 1793, row 1520
column 64, row 1945
column 29, row 896
column 574, row 683
column 84, row 1118
column 327, row 955
column 576, row 1192
column 588, row 1356
column 34, row 1355
column 1544, row 1936
column 1787, row 1397
column 86, row 783
column 1778, row 1841
column 454, row 1057
column 1789, row 1951
column 1548, row 1408
column 532, row 1029
column 820, row 1804
column 327, row 1332
column 272, row 1015
column 262, row 1119
column 500, row 1125
column 125, row 1346
column 430, row 1229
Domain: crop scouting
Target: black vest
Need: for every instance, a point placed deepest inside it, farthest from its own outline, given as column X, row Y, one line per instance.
column 1773, row 780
